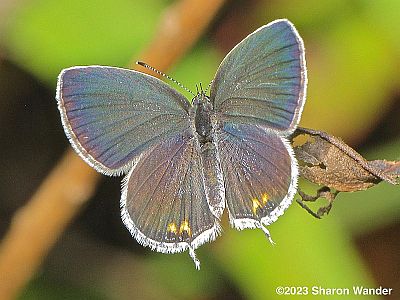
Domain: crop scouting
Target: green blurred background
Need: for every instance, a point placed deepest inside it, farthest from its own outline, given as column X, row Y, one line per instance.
column 353, row 58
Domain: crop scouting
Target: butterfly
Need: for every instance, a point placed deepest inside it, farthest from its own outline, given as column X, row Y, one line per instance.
column 186, row 162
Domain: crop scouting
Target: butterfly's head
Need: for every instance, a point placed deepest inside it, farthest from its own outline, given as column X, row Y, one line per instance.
column 201, row 99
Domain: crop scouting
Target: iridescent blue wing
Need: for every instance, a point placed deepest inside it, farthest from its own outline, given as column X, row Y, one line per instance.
column 263, row 79
column 111, row 115
column 260, row 174
column 164, row 203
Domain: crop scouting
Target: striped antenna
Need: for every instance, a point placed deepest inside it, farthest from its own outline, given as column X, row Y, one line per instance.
column 143, row 64
column 208, row 87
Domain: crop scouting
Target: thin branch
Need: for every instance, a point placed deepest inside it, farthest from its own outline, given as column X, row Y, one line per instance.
column 37, row 226
column 179, row 29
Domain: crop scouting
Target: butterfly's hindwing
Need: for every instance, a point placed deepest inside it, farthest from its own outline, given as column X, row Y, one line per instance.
column 164, row 202
column 260, row 174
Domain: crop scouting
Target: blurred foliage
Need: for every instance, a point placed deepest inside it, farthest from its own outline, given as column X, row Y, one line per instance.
column 46, row 289
column 46, row 36
column 353, row 50
column 352, row 70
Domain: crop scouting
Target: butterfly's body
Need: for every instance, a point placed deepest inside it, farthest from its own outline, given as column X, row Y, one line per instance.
column 205, row 128
column 186, row 162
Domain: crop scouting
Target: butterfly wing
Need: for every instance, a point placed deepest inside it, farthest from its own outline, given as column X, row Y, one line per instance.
column 111, row 115
column 263, row 79
column 260, row 174
column 164, row 203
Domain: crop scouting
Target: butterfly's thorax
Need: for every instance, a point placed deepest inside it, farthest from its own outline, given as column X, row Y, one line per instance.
column 202, row 120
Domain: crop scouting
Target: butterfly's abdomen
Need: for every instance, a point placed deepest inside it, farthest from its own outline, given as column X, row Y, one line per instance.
column 203, row 119
column 212, row 177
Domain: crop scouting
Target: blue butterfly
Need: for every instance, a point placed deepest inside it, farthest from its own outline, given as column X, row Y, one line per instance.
column 188, row 161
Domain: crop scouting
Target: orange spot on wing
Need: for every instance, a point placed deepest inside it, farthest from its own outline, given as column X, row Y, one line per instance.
column 256, row 204
column 265, row 198
column 171, row 227
column 185, row 227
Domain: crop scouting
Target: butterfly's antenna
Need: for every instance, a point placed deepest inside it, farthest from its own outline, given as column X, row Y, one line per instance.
column 201, row 88
column 143, row 64
column 209, row 85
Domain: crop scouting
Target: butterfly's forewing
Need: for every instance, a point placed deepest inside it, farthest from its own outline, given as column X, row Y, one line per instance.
column 111, row 115
column 260, row 174
column 164, row 203
column 263, row 79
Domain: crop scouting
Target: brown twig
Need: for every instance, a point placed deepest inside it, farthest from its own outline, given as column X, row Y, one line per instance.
column 36, row 226
column 179, row 29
